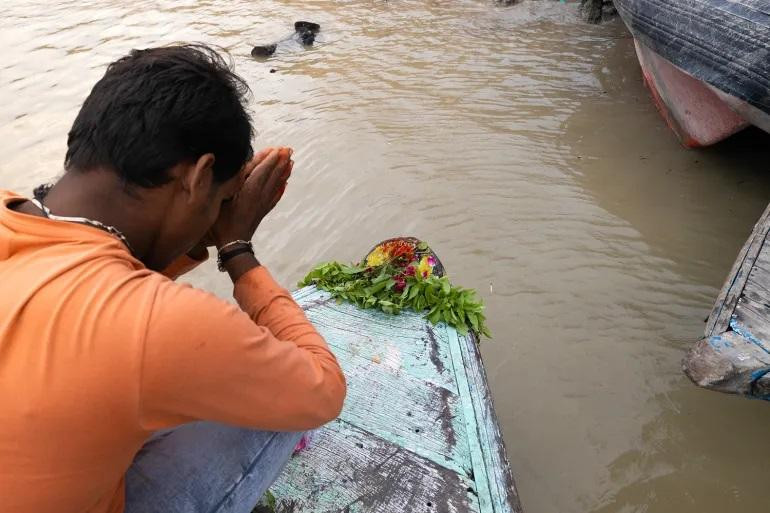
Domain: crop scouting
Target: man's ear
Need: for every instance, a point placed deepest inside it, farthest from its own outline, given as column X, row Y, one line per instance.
column 199, row 179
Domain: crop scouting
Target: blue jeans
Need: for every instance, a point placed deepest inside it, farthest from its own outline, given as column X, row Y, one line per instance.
column 204, row 467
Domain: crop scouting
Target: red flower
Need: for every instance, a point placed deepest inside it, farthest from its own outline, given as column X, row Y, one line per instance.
column 400, row 283
column 399, row 251
column 410, row 271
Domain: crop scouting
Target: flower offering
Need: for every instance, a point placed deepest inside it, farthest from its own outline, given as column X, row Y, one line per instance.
column 402, row 273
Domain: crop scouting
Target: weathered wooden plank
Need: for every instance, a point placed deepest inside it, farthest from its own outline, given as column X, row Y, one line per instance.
column 401, row 385
column 491, row 470
column 350, row 470
column 371, row 321
column 417, row 415
column 729, row 362
column 719, row 320
column 418, row 389
column 752, row 310
column 751, row 317
column 734, row 356
column 409, row 350
column 759, row 277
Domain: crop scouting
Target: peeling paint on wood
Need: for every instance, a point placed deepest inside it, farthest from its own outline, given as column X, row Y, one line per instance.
column 351, row 470
column 719, row 319
column 734, row 355
column 418, row 431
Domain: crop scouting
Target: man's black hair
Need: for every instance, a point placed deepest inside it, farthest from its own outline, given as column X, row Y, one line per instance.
column 158, row 107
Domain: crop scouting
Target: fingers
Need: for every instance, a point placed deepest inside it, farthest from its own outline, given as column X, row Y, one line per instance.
column 249, row 166
column 261, row 154
column 268, row 177
column 280, row 173
column 279, row 194
column 261, row 171
column 287, row 173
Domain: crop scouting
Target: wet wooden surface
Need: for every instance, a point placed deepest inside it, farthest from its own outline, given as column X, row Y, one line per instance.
column 418, row 431
column 734, row 355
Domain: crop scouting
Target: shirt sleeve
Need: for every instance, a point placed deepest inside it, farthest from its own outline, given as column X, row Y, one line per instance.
column 262, row 366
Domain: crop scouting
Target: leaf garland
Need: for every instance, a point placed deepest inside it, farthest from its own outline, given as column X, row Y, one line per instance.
column 400, row 282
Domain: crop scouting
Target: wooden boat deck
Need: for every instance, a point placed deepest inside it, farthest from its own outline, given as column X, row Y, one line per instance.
column 734, row 355
column 418, row 431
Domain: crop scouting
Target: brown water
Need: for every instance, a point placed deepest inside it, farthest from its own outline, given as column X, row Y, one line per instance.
column 521, row 144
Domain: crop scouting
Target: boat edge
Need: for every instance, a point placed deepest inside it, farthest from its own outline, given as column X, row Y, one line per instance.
column 490, row 454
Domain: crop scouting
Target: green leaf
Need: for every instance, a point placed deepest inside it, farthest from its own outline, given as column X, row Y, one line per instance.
column 474, row 320
column 383, row 276
column 458, row 307
column 377, row 287
column 270, row 500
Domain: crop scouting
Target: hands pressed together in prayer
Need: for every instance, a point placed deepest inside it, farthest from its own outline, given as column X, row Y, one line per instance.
column 263, row 182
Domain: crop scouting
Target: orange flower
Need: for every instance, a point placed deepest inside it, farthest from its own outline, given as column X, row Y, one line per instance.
column 399, row 250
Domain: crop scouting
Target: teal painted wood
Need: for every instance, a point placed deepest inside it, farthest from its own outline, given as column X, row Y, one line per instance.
column 734, row 355
column 423, row 417
column 418, row 430
column 502, row 488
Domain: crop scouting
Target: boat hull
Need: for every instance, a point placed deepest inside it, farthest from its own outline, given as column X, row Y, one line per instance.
column 690, row 107
column 706, row 63
column 734, row 354
column 418, row 431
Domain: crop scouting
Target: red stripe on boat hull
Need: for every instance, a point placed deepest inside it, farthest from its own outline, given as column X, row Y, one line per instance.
column 690, row 107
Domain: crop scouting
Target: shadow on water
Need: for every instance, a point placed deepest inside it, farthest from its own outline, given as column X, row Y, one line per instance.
column 727, row 452
column 692, row 207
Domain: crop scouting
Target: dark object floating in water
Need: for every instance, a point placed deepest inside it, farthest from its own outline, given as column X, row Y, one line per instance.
column 304, row 31
column 734, row 354
column 273, row 70
column 263, row 50
column 307, row 38
column 306, row 26
column 594, row 11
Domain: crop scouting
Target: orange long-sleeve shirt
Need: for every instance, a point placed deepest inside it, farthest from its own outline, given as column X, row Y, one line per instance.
column 97, row 352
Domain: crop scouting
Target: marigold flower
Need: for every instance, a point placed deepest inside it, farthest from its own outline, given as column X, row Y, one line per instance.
column 425, row 268
column 399, row 251
column 377, row 257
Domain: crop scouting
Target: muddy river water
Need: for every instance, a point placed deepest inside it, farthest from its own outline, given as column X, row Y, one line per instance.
column 523, row 146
